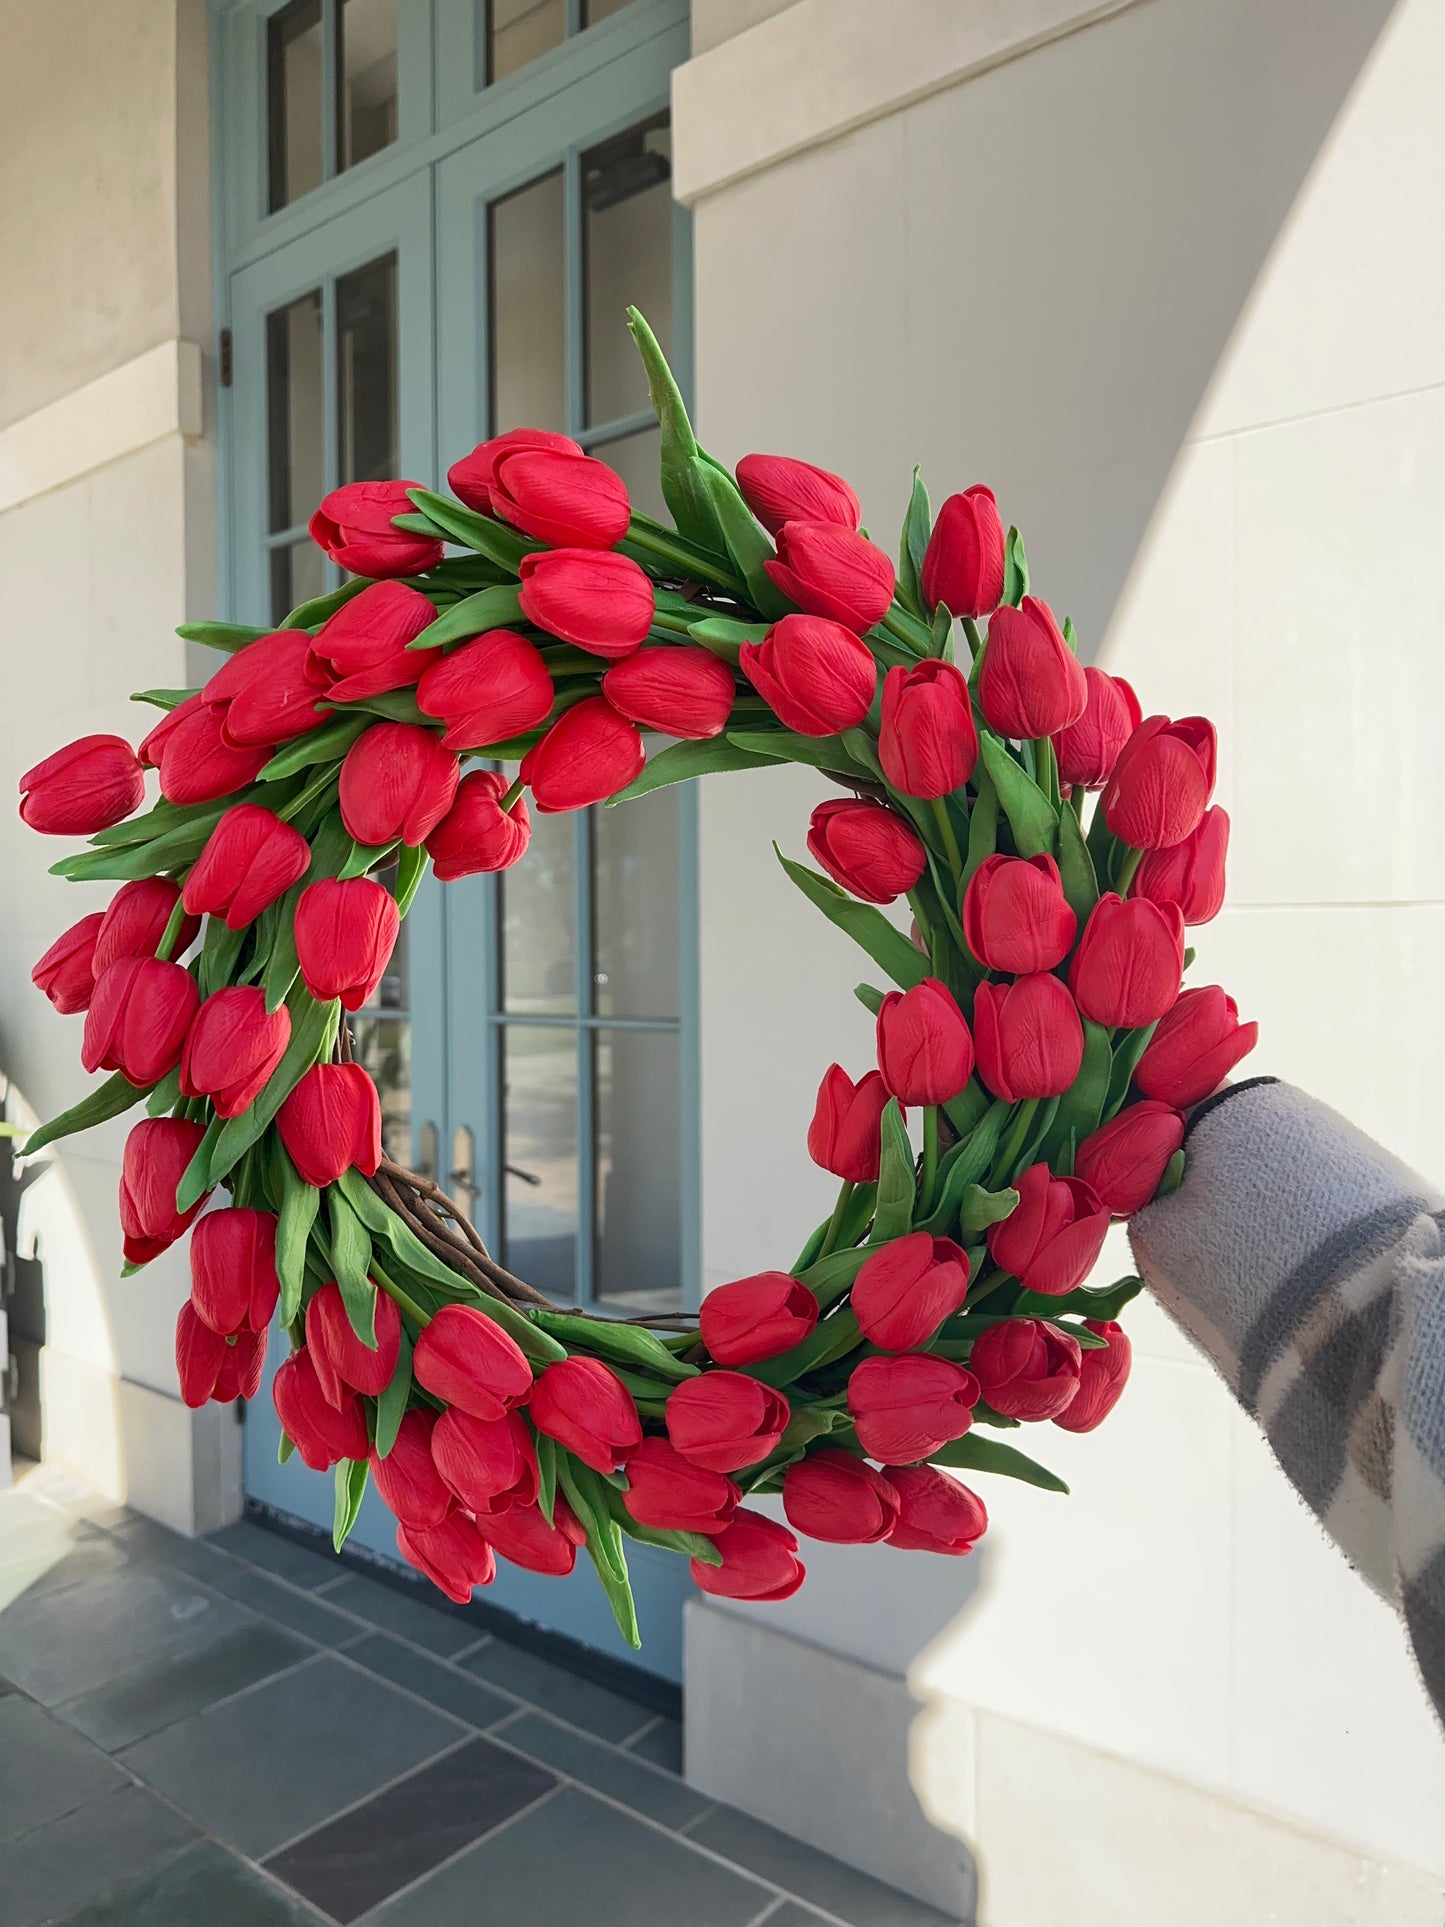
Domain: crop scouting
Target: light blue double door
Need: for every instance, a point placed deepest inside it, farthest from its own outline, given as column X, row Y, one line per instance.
column 534, row 1039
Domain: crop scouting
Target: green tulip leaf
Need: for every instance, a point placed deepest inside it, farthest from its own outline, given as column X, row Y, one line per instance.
column 325, row 745
column 1082, row 1105
column 110, row 1099
column 351, row 1257
column 503, row 546
column 973, row 1454
column 680, row 762
column 863, row 922
column 1015, row 569
column 917, row 527
column 546, row 1450
column 391, row 1406
column 1101, row 1304
column 623, row 1344
column 897, row 1184
column 747, row 542
column 1031, row 818
column 475, row 615
column 166, row 1095
column 684, row 484
column 299, row 1203
column 227, row 636
column 351, row 1476
column 1076, row 868
column 310, row 615
column 313, row 1031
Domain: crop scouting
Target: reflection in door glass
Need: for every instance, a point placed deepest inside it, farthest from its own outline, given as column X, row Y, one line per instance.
column 539, row 1138
column 518, row 31
column 528, row 308
column 368, row 78
column 639, row 1228
column 627, row 202
column 635, row 949
column 636, row 459
column 366, row 374
column 298, row 574
column 539, row 923
column 295, row 462
column 595, row 10
column 383, row 1045
column 294, row 69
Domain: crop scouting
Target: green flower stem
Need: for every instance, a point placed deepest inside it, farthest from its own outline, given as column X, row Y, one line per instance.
column 1126, row 871
column 975, row 640
column 950, row 841
column 513, row 795
column 835, row 1223
column 930, row 1154
column 1014, row 1142
column 1078, row 796
column 1047, row 769
column 903, row 628
column 398, row 1297
column 989, row 1282
column 681, row 558
column 172, row 930
column 675, row 625
column 324, row 779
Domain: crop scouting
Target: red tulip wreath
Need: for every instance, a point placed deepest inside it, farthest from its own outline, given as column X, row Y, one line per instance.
column 1037, row 1031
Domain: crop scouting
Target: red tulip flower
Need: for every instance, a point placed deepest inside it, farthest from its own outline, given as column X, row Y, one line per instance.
column 816, row 675
column 345, row 934
column 476, row 834
column 488, row 691
column 963, row 563
column 905, row 1408
column 935, row 1512
column 251, row 858
column 1031, row 684
column 779, row 489
column 136, row 921
column 927, row 742
column 756, row 1318
column 597, row 600
column 867, row 849
column 233, row 1047
column 1029, row 1040
column 587, row 755
column 1189, row 876
column 1053, row 1237
column 264, row 692
column 833, row 572
column 1102, row 1378
column 355, row 526
column 209, row 1366
column 157, row 1152
column 925, row 1051
column 345, row 1363
column 1088, row 748
column 197, row 763
column 681, row 691
column 407, row 1478
column 907, row 1288
column 1161, row 783
column 723, row 1421
column 1015, row 916
column 491, row 1464
column 522, row 1535
column 331, row 1123
column 1126, row 970
column 85, row 787
column 465, row 1359
column 833, row 1496
column 567, row 501
column 66, row 971
column 1026, row 1369
column 1198, row 1043
column 470, row 479
column 669, row 1493
column 586, row 1407
column 138, row 1019
column 844, row 1134
column 454, row 1555
column 321, row 1433
column 364, row 649
column 759, row 1560
column 1123, row 1161
column 234, row 1286
column 397, row 783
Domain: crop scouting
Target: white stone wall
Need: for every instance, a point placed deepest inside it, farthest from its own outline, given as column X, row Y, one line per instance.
column 1172, row 283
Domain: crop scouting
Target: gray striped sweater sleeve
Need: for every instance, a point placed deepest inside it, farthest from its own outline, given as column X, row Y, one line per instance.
column 1310, row 1265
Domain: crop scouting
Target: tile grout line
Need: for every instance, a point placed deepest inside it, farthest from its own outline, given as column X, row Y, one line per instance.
column 767, row 1914
column 373, row 1793
column 490, row 1834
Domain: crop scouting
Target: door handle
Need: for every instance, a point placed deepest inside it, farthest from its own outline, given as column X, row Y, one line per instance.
column 426, row 1144
column 464, row 1160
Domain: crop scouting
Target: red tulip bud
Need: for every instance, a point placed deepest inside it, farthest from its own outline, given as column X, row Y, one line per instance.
column 345, row 934
column 363, row 650
column 935, row 1512
column 345, row 1363
column 905, row 1408
column 407, row 1478
column 759, row 1560
column 477, row 834
column 196, row 762
column 331, row 1123
column 927, row 742
column 587, row 755
column 66, row 971
column 1102, row 1378
column 833, row 572
column 667, row 1492
column 867, row 849
column 907, row 1288
column 138, row 1019
column 470, row 479
column 1029, row 1040
column 1124, row 1160
column 567, row 501
column 1195, row 1047
column 1026, row 1369
column 234, row 1286
column 1088, row 748
column 681, row 691
column 843, row 1136
column 157, row 1152
column 465, row 1359
column 454, row 1555
column 816, row 676
column 265, row 694
column 209, row 1366
column 756, row 1318
column 1015, row 916
column 963, row 563
column 831, row 1495
column 779, row 489
column 1161, row 783
column 1126, row 970
column 136, row 921
column 1053, row 1236
column 586, row 1407
column 490, row 1464
column 723, row 1421
column 1031, row 684
column 232, row 1048
column 397, row 783
column 925, row 1051
column 600, row 601
column 1190, row 876
column 488, row 691
column 250, row 859
column 85, row 787
column 320, row 1433
column 522, row 1535
column 354, row 525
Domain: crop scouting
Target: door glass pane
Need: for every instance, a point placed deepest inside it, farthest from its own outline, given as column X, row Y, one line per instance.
column 383, row 1045
column 367, row 406
column 539, row 1136
column 639, row 1226
column 635, row 960
column 298, row 572
column 637, row 459
column 627, row 205
column 368, row 78
column 295, row 460
column 539, row 922
column 528, row 319
column 595, row 10
column 293, row 101
column 519, row 30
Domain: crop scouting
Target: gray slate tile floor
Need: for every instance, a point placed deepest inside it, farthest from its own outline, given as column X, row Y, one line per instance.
column 244, row 1732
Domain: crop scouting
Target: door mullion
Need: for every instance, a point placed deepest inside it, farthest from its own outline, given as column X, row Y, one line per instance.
column 574, row 291
column 586, row 1064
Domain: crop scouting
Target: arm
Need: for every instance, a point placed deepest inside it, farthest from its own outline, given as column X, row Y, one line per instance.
column 1310, row 1265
